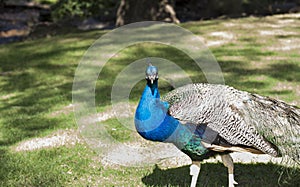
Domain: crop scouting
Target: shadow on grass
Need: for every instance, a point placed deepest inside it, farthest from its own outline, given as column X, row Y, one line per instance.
column 215, row 174
column 282, row 71
column 36, row 77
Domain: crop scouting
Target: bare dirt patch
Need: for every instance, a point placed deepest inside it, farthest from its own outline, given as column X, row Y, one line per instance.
column 57, row 139
column 286, row 45
column 65, row 110
column 222, row 38
column 276, row 32
column 8, row 96
column 168, row 156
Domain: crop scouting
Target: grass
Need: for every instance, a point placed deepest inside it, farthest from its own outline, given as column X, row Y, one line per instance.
column 50, row 2
column 36, row 79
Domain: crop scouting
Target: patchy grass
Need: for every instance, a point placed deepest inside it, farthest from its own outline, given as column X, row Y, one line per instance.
column 50, row 2
column 49, row 167
column 256, row 54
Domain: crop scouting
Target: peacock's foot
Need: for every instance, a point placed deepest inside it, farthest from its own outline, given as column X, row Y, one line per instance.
column 194, row 172
column 231, row 180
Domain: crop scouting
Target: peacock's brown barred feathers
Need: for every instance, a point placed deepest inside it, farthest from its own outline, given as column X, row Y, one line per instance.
column 241, row 118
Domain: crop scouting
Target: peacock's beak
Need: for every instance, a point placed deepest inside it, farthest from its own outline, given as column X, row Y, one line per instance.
column 152, row 78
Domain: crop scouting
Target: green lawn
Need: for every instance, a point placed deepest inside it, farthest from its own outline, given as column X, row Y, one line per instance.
column 259, row 55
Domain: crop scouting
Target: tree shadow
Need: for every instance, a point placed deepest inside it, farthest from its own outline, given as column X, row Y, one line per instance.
column 237, row 73
column 34, row 83
column 215, row 174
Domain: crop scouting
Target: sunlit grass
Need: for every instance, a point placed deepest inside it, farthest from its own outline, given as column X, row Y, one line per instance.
column 50, row 2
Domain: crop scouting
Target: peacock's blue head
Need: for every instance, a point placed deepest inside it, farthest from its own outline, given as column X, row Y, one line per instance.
column 151, row 73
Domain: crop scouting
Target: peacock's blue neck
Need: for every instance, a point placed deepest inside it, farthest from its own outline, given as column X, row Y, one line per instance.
column 153, row 123
column 151, row 119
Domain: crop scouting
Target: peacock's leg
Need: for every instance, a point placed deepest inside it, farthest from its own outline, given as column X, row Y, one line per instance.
column 194, row 172
column 228, row 162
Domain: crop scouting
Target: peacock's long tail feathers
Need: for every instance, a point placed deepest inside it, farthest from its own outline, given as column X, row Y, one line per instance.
column 278, row 122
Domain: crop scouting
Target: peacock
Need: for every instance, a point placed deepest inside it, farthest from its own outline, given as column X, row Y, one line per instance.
column 204, row 119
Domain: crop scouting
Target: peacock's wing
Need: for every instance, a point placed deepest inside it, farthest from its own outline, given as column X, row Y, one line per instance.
column 240, row 118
